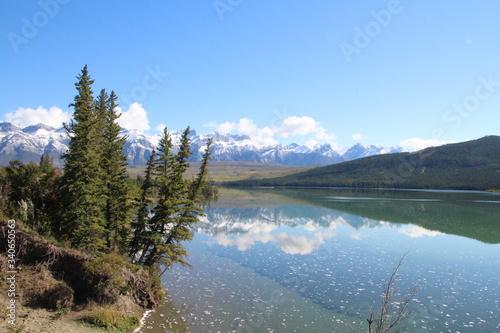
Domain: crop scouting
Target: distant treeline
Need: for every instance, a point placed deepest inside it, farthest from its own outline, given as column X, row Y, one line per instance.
column 471, row 165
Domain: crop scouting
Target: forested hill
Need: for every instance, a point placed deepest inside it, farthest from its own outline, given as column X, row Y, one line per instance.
column 471, row 165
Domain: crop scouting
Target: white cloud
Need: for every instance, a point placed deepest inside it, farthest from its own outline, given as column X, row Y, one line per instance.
column 261, row 136
column 294, row 125
column 419, row 143
column 359, row 136
column 322, row 135
column 244, row 126
column 291, row 126
column 160, row 127
column 297, row 126
column 23, row 117
column 134, row 118
column 212, row 124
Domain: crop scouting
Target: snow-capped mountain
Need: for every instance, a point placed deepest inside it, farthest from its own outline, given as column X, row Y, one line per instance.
column 30, row 143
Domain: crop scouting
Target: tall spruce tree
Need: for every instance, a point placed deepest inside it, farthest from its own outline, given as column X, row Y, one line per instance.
column 170, row 250
column 168, row 199
column 177, row 208
column 141, row 230
column 113, row 162
column 188, row 212
column 198, row 187
column 83, row 179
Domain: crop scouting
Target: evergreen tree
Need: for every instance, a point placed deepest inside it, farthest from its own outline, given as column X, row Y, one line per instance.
column 170, row 250
column 140, row 225
column 168, row 198
column 101, row 108
column 199, row 189
column 83, row 180
column 114, row 165
column 189, row 211
column 177, row 209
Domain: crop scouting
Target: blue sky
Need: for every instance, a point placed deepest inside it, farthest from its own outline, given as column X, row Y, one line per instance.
column 377, row 72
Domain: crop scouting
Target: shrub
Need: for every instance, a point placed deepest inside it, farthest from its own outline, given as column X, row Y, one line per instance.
column 60, row 296
column 111, row 319
column 105, row 276
column 40, row 288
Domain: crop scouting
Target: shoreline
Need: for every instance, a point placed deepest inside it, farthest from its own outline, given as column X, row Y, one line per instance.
column 228, row 185
column 40, row 320
column 145, row 316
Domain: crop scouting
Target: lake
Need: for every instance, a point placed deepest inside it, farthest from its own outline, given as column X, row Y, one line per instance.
column 314, row 260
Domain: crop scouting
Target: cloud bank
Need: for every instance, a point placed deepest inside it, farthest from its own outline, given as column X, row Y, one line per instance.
column 261, row 232
column 419, row 143
column 24, row 117
column 291, row 126
column 359, row 137
column 134, row 118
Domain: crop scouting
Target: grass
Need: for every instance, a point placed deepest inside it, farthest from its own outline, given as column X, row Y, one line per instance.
column 110, row 319
column 230, row 171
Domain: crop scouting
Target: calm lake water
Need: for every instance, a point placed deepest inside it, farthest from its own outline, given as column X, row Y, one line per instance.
column 311, row 260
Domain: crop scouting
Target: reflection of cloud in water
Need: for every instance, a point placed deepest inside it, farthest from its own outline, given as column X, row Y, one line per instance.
column 262, row 233
column 300, row 244
column 245, row 241
column 416, row 231
column 356, row 236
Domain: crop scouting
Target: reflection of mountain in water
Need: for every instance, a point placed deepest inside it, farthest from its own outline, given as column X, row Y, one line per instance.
column 471, row 215
column 240, row 220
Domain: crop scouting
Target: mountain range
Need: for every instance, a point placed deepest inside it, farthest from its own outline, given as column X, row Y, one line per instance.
column 30, row 143
column 469, row 165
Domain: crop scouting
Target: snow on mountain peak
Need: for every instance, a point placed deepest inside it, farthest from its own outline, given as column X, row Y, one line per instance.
column 31, row 142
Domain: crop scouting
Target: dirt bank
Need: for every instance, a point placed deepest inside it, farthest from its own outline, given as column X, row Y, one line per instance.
column 56, row 288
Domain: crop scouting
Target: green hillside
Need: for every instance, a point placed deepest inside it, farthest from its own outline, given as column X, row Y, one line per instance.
column 471, row 165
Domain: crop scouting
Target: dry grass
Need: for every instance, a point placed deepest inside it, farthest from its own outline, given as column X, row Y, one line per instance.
column 230, row 171
column 38, row 287
column 112, row 319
